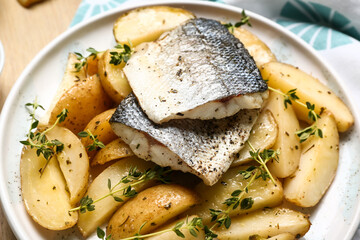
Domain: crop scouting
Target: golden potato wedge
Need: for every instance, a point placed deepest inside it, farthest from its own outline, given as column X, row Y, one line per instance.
column 84, row 100
column 114, row 150
column 266, row 223
column 257, row 48
column 70, row 78
column 287, row 142
column 282, row 236
column 318, row 164
column 45, row 196
column 172, row 235
column 89, row 221
column 113, row 78
column 92, row 64
column 73, row 162
column 309, row 89
column 263, row 136
column 264, row 194
column 155, row 206
column 147, row 24
column 100, row 127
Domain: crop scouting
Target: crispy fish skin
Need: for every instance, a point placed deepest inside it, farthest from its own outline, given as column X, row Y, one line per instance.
column 198, row 70
column 204, row 148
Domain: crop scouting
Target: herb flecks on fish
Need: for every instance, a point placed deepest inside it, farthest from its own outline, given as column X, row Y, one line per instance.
column 313, row 129
column 192, row 226
column 96, row 143
column 238, row 199
column 245, row 20
column 133, row 178
column 83, row 60
column 38, row 139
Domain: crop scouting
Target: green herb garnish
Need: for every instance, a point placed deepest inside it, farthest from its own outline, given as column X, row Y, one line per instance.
column 83, row 60
column 245, row 20
column 122, row 56
column 38, row 140
column 133, row 178
column 313, row 129
column 96, row 143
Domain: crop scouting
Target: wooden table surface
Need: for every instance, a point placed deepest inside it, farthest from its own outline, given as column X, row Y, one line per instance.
column 24, row 32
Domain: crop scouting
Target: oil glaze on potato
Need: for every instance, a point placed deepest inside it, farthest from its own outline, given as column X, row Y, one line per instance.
column 318, row 164
column 154, row 205
column 114, row 150
column 264, row 193
column 45, row 197
column 73, row 162
column 100, row 127
column 282, row 236
column 89, row 221
column 113, row 78
column 257, row 48
column 266, row 223
column 309, row 89
column 84, row 100
column 263, row 136
column 147, row 24
column 287, row 142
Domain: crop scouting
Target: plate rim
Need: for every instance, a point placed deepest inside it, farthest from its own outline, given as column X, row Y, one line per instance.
column 4, row 199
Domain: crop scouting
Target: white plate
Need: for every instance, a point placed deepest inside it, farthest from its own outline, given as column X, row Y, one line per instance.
column 336, row 216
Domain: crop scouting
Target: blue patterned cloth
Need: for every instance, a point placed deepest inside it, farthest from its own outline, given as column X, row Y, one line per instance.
column 330, row 26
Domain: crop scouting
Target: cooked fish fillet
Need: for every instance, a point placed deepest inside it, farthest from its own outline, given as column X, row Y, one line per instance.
column 204, row 148
column 198, row 70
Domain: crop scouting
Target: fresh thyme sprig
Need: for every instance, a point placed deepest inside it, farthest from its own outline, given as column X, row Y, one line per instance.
column 83, row 59
column 222, row 217
column 96, row 142
column 192, row 226
column 38, row 140
column 313, row 129
column 245, row 19
column 101, row 234
column 122, row 56
column 134, row 177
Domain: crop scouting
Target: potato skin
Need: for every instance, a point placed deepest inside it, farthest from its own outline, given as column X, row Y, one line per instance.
column 309, row 89
column 150, row 23
column 154, row 205
column 99, row 126
column 84, row 100
column 114, row 150
column 257, row 48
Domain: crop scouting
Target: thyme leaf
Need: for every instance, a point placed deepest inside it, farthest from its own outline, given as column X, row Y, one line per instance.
column 38, row 140
column 96, row 143
column 245, row 20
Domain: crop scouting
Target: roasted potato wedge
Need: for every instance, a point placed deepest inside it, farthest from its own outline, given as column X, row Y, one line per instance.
column 257, row 48
column 172, row 235
column 45, row 196
column 114, row 150
column 70, row 78
column 100, row 127
column 266, row 223
column 89, row 221
column 113, row 78
column 264, row 194
column 84, row 100
column 287, row 142
column 282, row 236
column 318, row 164
column 92, row 64
column 150, row 23
column 309, row 89
column 153, row 206
column 73, row 162
column 263, row 136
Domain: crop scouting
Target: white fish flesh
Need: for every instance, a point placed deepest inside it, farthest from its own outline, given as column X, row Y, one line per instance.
column 204, row 148
column 198, row 70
